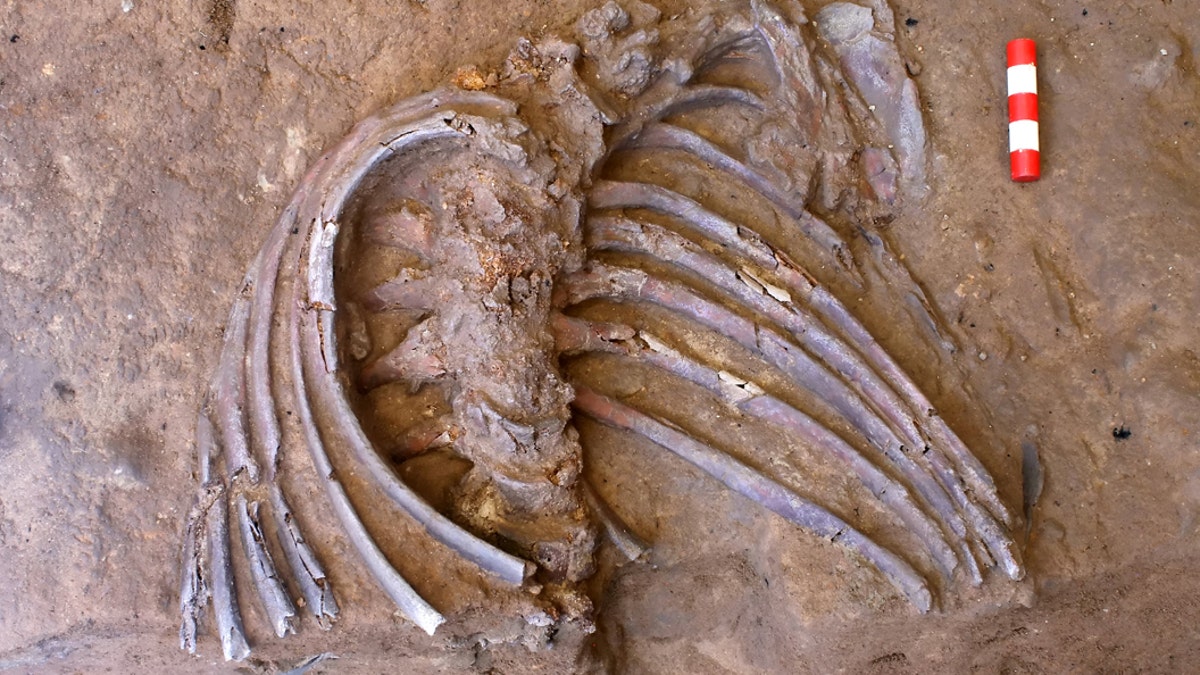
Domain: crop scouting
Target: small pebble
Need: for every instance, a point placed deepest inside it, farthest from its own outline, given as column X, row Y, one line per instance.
column 983, row 356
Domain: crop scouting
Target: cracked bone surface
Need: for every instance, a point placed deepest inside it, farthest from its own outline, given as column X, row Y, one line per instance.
column 653, row 223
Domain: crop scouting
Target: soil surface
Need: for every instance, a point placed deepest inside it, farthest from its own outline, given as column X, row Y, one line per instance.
column 146, row 148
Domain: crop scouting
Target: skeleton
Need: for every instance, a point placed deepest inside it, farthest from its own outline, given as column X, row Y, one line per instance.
column 651, row 214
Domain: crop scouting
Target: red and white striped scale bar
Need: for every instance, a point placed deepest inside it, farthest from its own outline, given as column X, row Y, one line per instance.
column 1023, row 150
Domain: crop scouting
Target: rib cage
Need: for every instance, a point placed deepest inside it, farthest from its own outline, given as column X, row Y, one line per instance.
column 695, row 224
column 679, row 235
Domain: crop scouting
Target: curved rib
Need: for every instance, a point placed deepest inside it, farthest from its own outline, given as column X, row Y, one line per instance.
column 755, row 402
column 607, row 194
column 264, row 422
column 661, row 244
column 319, row 352
column 810, row 333
column 834, row 313
column 634, row 285
column 750, row 483
column 324, row 387
column 407, row 600
column 673, row 137
column 680, row 100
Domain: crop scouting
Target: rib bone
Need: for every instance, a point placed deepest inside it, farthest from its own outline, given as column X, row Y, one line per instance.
column 315, row 587
column 275, row 601
column 750, row 483
column 224, row 591
column 630, row 285
column 317, row 351
column 809, row 333
column 752, row 400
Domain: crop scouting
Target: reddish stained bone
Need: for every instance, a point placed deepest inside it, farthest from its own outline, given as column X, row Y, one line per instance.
column 402, row 229
column 752, row 400
column 424, row 436
column 409, row 291
column 416, row 359
column 572, row 335
column 750, row 483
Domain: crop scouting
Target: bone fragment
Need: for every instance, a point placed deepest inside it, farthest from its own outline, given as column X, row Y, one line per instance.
column 276, row 603
column 315, row 587
column 221, row 580
column 625, row 539
column 229, row 392
column 194, row 591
